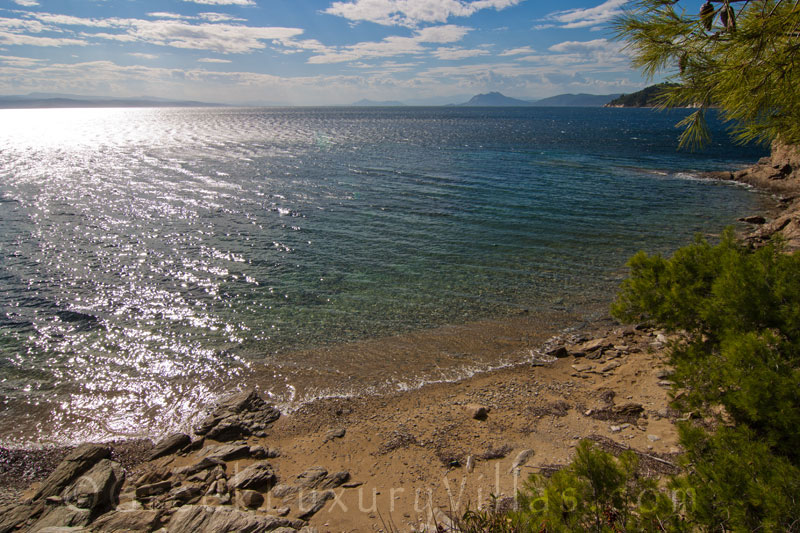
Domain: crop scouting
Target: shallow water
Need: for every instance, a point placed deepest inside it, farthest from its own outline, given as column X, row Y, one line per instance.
column 151, row 258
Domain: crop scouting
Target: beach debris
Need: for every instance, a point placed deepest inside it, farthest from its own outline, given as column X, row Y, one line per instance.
column 169, row 445
column 520, row 460
column 238, row 416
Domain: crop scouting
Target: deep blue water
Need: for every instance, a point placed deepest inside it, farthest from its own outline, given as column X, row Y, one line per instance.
column 151, row 258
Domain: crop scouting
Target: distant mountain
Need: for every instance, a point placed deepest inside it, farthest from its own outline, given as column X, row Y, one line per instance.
column 647, row 97
column 576, row 100
column 49, row 100
column 494, row 99
column 374, row 103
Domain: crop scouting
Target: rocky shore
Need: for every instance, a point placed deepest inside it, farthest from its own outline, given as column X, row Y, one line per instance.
column 406, row 461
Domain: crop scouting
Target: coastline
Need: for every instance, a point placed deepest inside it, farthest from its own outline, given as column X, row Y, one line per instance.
column 409, row 452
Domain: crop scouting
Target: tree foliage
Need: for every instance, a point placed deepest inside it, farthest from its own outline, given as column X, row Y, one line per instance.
column 739, row 55
column 738, row 366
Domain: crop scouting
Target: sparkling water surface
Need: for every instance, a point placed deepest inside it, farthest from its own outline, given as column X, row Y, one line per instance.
column 152, row 258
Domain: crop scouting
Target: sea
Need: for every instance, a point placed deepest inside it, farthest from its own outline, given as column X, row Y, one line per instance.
column 154, row 259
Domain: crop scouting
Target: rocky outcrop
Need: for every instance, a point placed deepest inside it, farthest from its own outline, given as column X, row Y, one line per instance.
column 74, row 465
column 213, row 519
column 238, row 416
column 170, row 444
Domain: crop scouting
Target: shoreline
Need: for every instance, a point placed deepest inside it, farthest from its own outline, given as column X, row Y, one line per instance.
column 412, row 457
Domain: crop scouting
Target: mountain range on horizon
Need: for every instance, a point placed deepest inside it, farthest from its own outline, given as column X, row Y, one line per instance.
column 491, row 99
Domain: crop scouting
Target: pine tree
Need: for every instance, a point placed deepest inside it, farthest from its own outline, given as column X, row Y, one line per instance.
column 742, row 56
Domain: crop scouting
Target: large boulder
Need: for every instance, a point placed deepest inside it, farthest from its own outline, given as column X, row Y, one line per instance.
column 98, row 489
column 238, row 416
column 73, row 466
column 194, row 518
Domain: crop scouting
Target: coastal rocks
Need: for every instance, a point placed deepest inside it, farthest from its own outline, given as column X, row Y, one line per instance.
column 97, row 489
column 75, row 464
column 153, row 489
column 126, row 521
column 211, row 519
column 310, row 503
column 256, row 476
column 251, row 499
column 238, row 416
column 169, row 445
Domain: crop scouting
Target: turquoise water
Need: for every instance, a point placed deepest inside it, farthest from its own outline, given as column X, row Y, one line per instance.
column 152, row 258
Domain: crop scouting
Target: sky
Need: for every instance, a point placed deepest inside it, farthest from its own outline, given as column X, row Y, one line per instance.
column 313, row 52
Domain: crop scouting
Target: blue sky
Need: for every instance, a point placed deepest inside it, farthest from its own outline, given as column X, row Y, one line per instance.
column 312, row 52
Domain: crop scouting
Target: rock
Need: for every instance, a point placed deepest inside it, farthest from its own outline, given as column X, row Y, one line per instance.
column 310, row 503
column 615, row 429
column 754, row 219
column 335, row 480
column 207, row 519
column 282, row 511
column 170, row 444
column 613, row 365
column 283, row 491
column 226, row 452
column 206, row 463
column 444, row 522
column 629, row 410
column 582, row 367
column 251, row 499
column 154, row 489
column 595, row 345
column 664, row 373
column 521, row 458
column 126, row 521
column 256, row 476
column 334, row 434
column 63, row 516
column 311, row 477
column 185, row 494
column 653, row 438
column 559, row 352
column 13, row 516
column 470, row 464
column 238, row 416
column 76, row 463
column 478, row 412
column 259, row 452
column 98, row 489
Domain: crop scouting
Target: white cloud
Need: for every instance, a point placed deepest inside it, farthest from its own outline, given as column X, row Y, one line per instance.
column 587, row 47
column 26, row 3
column 20, row 61
column 213, row 60
column 593, row 16
column 453, row 53
column 143, row 55
column 18, row 39
column 174, row 32
column 517, row 51
column 411, row 12
column 392, row 46
column 223, row 2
